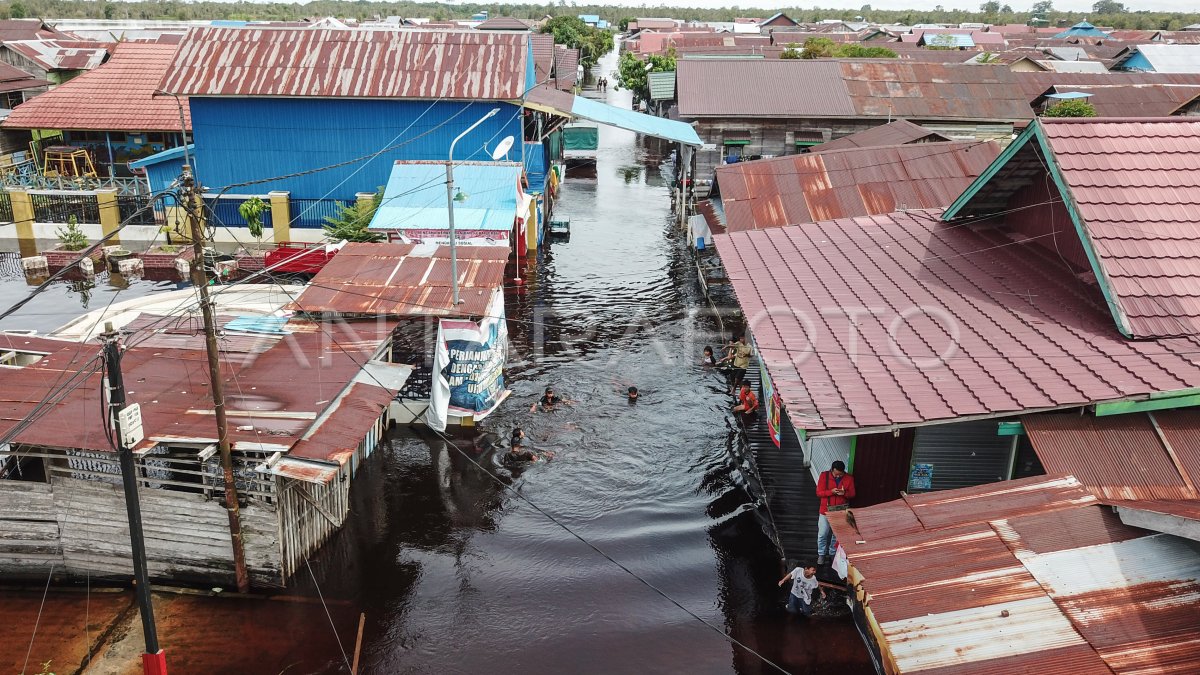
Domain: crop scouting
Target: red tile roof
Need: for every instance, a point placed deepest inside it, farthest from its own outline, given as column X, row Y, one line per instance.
column 543, row 55
column 900, row 319
column 166, row 382
column 1029, row 575
column 118, row 96
column 1136, row 187
column 894, row 133
column 566, row 67
column 847, row 183
column 352, row 63
column 885, row 88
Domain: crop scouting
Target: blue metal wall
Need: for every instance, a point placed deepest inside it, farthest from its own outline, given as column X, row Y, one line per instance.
column 240, row 139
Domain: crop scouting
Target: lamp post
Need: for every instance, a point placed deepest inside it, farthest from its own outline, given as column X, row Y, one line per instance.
column 450, row 202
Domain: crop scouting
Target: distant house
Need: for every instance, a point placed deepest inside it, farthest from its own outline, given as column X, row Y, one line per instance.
column 745, row 109
column 503, row 23
column 900, row 132
column 1082, row 29
column 288, row 114
column 55, row 60
column 112, row 111
column 778, row 20
column 18, row 86
column 1147, row 100
column 1159, row 58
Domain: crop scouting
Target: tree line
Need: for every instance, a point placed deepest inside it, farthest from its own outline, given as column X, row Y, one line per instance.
column 1105, row 12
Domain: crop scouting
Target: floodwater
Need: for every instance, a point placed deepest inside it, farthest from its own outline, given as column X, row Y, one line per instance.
column 462, row 567
column 457, row 574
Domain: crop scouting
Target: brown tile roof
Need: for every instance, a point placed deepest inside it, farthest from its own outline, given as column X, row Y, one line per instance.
column 543, row 55
column 118, row 96
column 503, row 23
column 952, row 321
column 566, row 66
column 847, row 89
column 1136, row 187
column 847, row 183
column 894, row 133
column 352, row 63
column 1028, row 575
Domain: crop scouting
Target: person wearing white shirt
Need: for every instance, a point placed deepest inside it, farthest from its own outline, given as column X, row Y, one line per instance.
column 804, row 582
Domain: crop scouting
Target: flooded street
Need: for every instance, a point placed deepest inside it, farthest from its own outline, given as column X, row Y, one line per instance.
column 457, row 574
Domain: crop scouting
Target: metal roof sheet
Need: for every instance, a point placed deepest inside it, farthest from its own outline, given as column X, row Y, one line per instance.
column 1172, row 58
column 940, row 39
column 543, row 55
column 1136, row 186
column 1060, row 587
column 662, row 85
column 1004, row 327
column 349, row 63
column 1033, row 85
column 846, row 183
column 62, row 54
column 887, row 88
column 404, row 279
column 415, row 197
column 1141, row 100
column 893, row 133
column 118, row 96
column 1121, row 456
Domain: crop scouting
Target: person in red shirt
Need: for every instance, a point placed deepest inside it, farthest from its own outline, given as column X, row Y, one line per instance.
column 835, row 487
column 747, row 403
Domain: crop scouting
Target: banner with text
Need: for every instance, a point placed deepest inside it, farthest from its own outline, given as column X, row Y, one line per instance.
column 468, row 366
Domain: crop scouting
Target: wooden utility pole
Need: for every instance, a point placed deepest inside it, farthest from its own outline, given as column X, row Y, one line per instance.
column 190, row 196
column 154, row 661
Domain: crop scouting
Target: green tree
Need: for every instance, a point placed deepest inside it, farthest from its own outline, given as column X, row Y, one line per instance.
column 1109, row 7
column 1042, row 8
column 854, row 51
column 793, row 51
column 571, row 31
column 632, row 72
column 17, row 10
column 351, row 222
column 623, row 24
column 1072, row 107
column 818, row 48
column 990, row 7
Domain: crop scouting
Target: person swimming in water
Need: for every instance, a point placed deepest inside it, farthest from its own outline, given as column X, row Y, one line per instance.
column 708, row 359
column 549, row 401
column 518, row 454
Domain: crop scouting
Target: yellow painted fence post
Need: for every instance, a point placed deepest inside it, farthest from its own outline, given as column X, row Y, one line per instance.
column 22, row 212
column 110, row 213
column 281, row 215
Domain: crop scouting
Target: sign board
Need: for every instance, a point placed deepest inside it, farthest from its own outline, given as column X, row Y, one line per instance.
column 131, row 425
column 774, row 405
column 920, row 477
column 468, row 366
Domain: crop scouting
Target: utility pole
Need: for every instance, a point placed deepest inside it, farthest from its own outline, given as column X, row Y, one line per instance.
column 154, row 661
column 190, row 196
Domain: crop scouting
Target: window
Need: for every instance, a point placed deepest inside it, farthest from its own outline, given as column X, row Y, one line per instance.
column 19, row 359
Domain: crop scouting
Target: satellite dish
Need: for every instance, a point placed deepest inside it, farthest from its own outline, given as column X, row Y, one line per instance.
column 502, row 149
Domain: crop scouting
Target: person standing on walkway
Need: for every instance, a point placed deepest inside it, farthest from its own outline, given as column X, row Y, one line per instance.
column 835, row 488
column 739, row 353
column 804, row 582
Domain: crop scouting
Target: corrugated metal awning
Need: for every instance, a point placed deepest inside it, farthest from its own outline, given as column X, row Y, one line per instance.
column 307, row 470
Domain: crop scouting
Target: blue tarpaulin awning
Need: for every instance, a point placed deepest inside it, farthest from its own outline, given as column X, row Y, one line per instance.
column 1069, row 95
column 415, row 196
column 535, row 167
column 561, row 103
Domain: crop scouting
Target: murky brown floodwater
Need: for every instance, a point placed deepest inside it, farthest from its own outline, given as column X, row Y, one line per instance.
column 456, row 575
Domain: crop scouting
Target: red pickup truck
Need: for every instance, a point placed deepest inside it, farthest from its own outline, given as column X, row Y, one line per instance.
column 297, row 258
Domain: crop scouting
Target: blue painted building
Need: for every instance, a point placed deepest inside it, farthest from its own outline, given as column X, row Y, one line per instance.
column 331, row 127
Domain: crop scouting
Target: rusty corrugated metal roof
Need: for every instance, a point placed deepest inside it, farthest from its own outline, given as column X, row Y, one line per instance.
column 1143, row 100
column 62, row 54
column 404, row 280
column 1033, row 85
column 900, row 132
column 887, row 88
column 350, row 63
column 848, row 183
column 1122, row 457
column 1033, row 575
column 1017, row 330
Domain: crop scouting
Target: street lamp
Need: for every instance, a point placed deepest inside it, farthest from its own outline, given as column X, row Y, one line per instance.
column 450, row 202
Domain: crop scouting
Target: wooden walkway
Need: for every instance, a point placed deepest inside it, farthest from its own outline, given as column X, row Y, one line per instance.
column 781, row 476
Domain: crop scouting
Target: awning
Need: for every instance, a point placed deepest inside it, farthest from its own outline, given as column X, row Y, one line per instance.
column 547, row 100
column 1070, row 95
